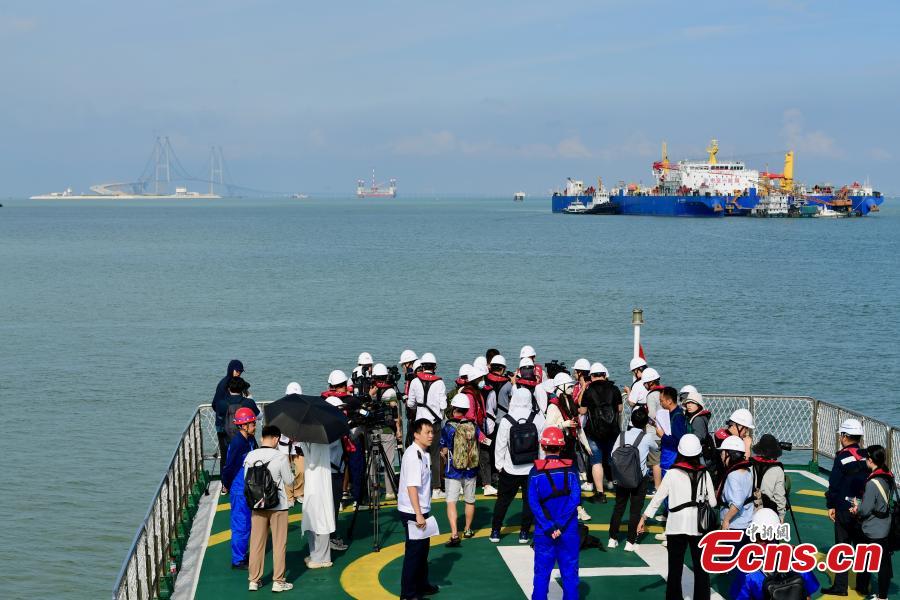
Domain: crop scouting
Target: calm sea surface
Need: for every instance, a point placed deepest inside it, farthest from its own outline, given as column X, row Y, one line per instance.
column 116, row 320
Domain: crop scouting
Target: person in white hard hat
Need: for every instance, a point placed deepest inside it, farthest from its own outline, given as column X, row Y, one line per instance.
column 741, row 424
column 528, row 352
column 562, row 412
column 407, row 358
column 736, row 489
column 477, row 413
column 459, row 442
column 294, row 453
column 383, row 392
column 362, row 373
column 682, row 533
column 497, row 390
column 529, row 378
column 636, row 392
column 650, row 382
column 428, row 396
column 602, row 403
column 698, row 421
column 847, row 480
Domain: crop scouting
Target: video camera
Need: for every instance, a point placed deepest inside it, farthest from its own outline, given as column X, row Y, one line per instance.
column 554, row 368
column 368, row 411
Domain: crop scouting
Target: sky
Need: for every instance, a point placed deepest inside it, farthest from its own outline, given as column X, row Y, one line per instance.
column 476, row 98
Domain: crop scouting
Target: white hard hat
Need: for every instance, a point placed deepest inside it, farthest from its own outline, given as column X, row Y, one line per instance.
column 689, row 445
column 526, row 362
column 527, row 352
column 476, row 373
column 649, row 375
column 498, row 360
column 407, row 356
column 464, row 370
column 293, row 388
column 742, row 416
column 460, row 401
column 765, row 516
column 337, row 377
column 695, row 397
column 364, row 359
column 598, row 369
column 563, row 380
column 428, row 359
column 851, row 427
column 637, row 363
column 549, row 386
column 481, row 363
column 733, row 442
column 686, row 389
column 582, row 364
column 417, row 364
column 379, row 370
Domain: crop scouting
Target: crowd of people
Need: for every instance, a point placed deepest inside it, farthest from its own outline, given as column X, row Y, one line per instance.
column 561, row 438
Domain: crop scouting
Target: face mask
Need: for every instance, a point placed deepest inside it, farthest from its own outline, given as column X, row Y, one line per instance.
column 481, row 385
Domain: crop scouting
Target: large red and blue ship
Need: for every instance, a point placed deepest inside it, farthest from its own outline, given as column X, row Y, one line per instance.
column 713, row 188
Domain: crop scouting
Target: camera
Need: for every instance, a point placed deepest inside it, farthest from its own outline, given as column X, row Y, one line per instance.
column 787, row 446
column 554, row 368
column 372, row 413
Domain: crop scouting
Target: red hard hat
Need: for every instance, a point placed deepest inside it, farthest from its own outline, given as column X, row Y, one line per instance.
column 244, row 415
column 553, row 436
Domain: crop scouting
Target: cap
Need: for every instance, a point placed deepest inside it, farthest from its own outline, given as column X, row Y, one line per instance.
column 582, row 364
column 498, row 360
column 527, row 351
column 637, row 363
column 742, row 417
column 364, row 359
column 460, row 401
column 733, row 443
column 428, row 359
column 337, row 377
column 598, row 369
column 379, row 370
column 526, row 362
column 407, row 356
column 649, row 375
column 689, row 445
column 851, row 427
column 293, row 388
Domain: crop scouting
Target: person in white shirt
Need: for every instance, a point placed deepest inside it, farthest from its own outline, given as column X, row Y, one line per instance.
column 682, row 533
column 637, row 391
column 318, row 506
column 428, row 396
column 294, row 453
column 276, row 519
column 414, row 506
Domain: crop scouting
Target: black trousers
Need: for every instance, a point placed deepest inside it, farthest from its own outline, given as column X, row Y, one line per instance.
column 678, row 545
column 506, row 493
column 885, row 570
column 414, row 578
column 847, row 530
column 337, row 492
column 623, row 496
column 223, row 449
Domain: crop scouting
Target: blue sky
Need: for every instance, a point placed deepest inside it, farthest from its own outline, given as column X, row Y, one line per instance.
column 465, row 97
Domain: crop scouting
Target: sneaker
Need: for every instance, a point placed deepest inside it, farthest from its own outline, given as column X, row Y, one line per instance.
column 661, row 519
column 523, row 537
column 490, row 490
column 587, row 487
column 282, row 586
column 241, row 566
column 599, row 497
column 438, row 494
column 300, row 499
column 390, row 496
column 223, row 492
column 583, row 514
column 431, row 590
column 337, row 544
column 629, row 547
column 665, row 544
column 254, row 586
column 660, row 537
column 454, row 542
column 315, row 565
column 495, row 536
column 468, row 533
column 833, row 591
column 613, row 544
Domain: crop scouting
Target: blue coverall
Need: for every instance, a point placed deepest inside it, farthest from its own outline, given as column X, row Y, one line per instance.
column 562, row 516
column 233, row 479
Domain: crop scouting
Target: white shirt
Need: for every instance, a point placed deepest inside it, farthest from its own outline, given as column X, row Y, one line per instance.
column 436, row 401
column 415, row 469
column 518, row 411
column 318, row 503
column 638, row 392
column 279, row 467
column 676, row 486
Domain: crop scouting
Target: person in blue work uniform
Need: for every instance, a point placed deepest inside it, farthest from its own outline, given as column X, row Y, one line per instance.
column 233, row 481
column 752, row 585
column 553, row 494
column 847, row 480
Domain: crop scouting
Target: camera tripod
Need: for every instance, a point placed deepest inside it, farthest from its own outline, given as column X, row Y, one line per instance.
column 376, row 461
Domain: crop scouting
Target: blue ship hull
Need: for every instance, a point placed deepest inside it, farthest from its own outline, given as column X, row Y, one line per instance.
column 659, row 206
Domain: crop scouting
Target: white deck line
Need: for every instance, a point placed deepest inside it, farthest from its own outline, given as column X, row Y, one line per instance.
column 520, row 560
column 192, row 561
column 817, row 478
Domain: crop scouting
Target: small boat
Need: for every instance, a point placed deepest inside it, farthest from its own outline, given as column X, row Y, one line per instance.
column 519, row 197
column 826, row 213
column 576, row 207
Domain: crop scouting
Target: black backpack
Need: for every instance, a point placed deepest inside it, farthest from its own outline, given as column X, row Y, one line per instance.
column 707, row 517
column 231, row 429
column 893, row 539
column 625, row 463
column 523, row 440
column 784, row 586
column 260, row 488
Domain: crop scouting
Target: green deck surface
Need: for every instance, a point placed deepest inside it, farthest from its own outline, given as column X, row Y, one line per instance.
column 475, row 570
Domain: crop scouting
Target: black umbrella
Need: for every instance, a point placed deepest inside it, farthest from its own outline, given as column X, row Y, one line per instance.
column 307, row 419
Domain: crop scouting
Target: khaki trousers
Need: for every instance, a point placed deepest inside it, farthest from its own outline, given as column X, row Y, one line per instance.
column 295, row 492
column 261, row 522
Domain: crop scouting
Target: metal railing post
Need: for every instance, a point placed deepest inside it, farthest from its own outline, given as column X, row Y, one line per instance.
column 815, row 432
column 889, row 446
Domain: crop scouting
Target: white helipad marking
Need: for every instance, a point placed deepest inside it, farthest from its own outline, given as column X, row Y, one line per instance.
column 817, row 478
column 520, row 562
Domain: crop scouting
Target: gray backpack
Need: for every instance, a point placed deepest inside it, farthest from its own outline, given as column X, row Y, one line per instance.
column 625, row 463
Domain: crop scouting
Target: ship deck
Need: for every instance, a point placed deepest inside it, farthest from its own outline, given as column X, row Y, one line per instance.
column 478, row 569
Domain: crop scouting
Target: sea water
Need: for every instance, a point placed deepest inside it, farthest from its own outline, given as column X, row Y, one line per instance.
column 118, row 319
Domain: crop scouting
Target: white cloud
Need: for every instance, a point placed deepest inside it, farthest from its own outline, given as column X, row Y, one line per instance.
column 10, row 24
column 813, row 143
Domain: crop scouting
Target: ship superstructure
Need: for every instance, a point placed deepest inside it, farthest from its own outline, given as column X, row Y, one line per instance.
column 376, row 190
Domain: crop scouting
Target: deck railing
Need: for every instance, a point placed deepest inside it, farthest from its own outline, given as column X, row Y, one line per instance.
column 154, row 558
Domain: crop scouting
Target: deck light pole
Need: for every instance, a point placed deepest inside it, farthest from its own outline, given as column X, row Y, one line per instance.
column 637, row 319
